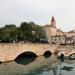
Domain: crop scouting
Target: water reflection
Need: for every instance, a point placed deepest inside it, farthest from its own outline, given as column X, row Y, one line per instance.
column 25, row 58
column 67, row 68
column 38, row 66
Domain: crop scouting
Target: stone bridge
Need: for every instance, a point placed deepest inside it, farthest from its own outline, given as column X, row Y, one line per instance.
column 11, row 51
column 68, row 51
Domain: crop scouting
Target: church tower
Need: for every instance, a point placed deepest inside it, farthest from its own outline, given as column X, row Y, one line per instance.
column 53, row 22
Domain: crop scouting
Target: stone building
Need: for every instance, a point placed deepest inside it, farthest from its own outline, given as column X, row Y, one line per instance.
column 58, row 39
column 70, row 37
column 55, row 35
column 50, row 29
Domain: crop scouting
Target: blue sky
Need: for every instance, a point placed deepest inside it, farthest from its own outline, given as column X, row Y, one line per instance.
column 39, row 11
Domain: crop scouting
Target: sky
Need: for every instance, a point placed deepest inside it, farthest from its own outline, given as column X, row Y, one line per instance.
column 38, row 11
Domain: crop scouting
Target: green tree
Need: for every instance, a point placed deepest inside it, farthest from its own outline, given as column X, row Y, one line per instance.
column 8, row 33
column 26, row 31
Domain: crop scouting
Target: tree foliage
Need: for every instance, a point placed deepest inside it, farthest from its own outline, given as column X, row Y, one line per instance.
column 8, row 33
column 11, row 33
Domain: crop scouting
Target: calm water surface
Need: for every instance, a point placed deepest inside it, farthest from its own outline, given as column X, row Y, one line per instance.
column 38, row 66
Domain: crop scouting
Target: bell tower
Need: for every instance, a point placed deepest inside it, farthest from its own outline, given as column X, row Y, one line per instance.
column 53, row 22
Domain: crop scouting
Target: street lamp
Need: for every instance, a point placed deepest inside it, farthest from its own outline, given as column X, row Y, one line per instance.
column 33, row 33
column 15, row 40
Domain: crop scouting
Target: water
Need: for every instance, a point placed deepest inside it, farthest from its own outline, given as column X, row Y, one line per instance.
column 38, row 66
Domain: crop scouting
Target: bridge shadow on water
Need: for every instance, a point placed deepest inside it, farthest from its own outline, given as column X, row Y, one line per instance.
column 47, row 54
column 26, row 58
column 0, row 62
column 29, row 57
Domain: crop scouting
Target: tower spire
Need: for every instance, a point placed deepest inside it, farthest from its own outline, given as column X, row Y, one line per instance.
column 53, row 22
column 53, row 19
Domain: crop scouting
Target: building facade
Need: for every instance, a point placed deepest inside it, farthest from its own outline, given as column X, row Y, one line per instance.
column 55, row 35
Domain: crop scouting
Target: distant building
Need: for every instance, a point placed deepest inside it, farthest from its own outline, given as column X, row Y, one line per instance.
column 50, row 29
column 55, row 35
column 73, row 39
column 58, row 39
column 69, row 36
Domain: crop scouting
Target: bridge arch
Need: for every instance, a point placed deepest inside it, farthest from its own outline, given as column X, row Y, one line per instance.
column 47, row 53
column 24, row 54
column 25, row 58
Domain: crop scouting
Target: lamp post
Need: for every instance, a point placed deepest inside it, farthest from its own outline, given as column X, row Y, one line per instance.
column 16, row 38
column 33, row 33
